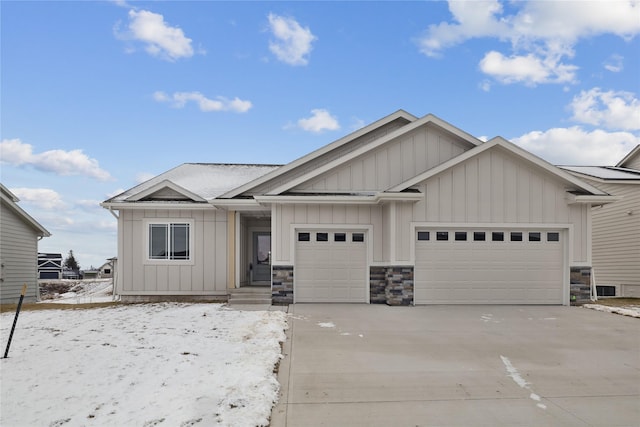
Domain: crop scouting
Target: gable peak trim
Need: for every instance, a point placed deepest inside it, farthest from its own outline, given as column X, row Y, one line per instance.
column 162, row 185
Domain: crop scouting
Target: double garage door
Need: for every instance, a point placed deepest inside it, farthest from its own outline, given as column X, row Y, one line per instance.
column 331, row 266
column 493, row 266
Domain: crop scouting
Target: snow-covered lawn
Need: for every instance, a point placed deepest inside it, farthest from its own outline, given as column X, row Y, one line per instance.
column 141, row 365
column 77, row 291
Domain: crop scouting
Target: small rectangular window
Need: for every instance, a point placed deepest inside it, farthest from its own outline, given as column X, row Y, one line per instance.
column 479, row 236
column 553, row 237
column 516, row 236
column 322, row 237
column 497, row 236
column 304, row 237
column 442, row 235
column 357, row 237
column 340, row 237
column 534, row 236
column 461, row 236
column 169, row 241
column 423, row 235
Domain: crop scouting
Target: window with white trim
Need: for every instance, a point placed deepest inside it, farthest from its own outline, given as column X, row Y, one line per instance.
column 170, row 241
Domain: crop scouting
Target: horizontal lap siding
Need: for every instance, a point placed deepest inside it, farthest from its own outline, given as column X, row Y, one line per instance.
column 616, row 236
column 208, row 274
column 496, row 187
column 19, row 254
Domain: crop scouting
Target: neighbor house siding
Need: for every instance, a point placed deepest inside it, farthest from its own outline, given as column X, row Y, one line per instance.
column 207, row 274
column 616, row 236
column 18, row 256
column 497, row 188
column 355, row 215
column 392, row 163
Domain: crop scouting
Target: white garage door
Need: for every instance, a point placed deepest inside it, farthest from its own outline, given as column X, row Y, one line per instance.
column 330, row 266
column 458, row 266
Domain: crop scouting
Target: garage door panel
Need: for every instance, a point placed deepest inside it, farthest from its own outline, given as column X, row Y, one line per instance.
column 467, row 272
column 331, row 271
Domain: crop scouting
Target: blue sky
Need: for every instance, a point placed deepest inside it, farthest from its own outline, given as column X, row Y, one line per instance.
column 99, row 96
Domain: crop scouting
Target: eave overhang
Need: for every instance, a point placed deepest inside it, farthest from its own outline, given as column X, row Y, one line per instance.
column 157, row 205
column 339, row 199
column 590, row 199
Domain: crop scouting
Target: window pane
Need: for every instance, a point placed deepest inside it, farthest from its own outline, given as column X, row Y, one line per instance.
column 553, row 237
column 304, row 237
column 423, row 235
column 534, row 236
column 497, row 236
column 357, row 237
column 322, row 237
column 516, row 236
column 340, row 237
column 158, row 241
column 442, row 235
column 479, row 236
column 461, row 235
column 179, row 241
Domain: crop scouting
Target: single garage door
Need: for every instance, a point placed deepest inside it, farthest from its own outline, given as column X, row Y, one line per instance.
column 330, row 266
column 498, row 266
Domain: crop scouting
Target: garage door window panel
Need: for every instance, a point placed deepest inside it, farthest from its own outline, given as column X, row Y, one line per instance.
column 516, row 236
column 442, row 236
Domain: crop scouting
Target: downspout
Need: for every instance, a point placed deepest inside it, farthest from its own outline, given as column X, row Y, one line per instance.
column 113, row 213
column 594, row 289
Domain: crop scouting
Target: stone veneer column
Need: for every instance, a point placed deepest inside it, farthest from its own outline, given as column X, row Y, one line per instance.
column 580, row 285
column 391, row 285
column 282, row 284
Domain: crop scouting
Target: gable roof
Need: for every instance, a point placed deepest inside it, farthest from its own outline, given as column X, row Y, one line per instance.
column 428, row 119
column 514, row 149
column 605, row 173
column 635, row 152
column 398, row 115
column 12, row 202
column 198, row 182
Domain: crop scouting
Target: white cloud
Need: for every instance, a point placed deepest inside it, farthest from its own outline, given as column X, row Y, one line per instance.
column 292, row 43
column 42, row 198
column 575, row 146
column 180, row 99
column 60, row 162
column 89, row 205
column 610, row 109
column 528, row 69
column 615, row 63
column 160, row 39
column 541, row 33
column 319, row 121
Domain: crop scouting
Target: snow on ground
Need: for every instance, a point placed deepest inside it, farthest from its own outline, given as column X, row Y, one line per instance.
column 632, row 311
column 164, row 364
column 77, row 291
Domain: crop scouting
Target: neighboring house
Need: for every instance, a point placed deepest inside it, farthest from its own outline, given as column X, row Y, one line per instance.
column 70, row 274
column 19, row 235
column 616, row 227
column 406, row 210
column 49, row 266
column 106, row 270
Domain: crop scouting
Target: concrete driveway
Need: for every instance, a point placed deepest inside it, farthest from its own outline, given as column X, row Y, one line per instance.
column 374, row 365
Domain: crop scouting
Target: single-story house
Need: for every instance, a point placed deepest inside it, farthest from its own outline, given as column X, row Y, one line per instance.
column 406, row 210
column 49, row 266
column 106, row 270
column 19, row 236
column 616, row 226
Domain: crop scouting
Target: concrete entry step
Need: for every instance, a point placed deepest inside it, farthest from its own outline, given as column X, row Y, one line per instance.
column 250, row 295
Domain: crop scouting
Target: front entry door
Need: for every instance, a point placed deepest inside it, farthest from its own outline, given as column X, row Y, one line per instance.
column 261, row 260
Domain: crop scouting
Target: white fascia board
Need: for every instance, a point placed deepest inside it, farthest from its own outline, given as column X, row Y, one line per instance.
column 165, row 184
column 22, row 213
column 502, row 143
column 591, row 199
column 400, row 114
column 429, row 118
column 118, row 206
column 629, row 156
